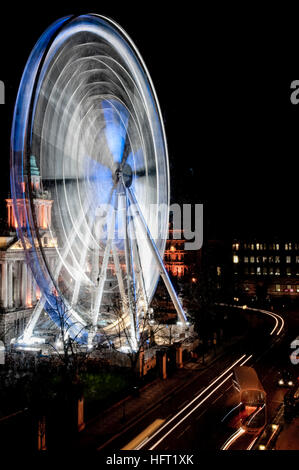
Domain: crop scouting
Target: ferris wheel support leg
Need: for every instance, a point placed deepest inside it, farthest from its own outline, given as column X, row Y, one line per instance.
column 103, row 273
column 163, row 272
column 139, row 275
column 118, row 274
column 33, row 320
column 130, row 281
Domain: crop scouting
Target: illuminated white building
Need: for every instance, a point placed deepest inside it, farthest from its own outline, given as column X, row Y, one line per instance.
column 19, row 292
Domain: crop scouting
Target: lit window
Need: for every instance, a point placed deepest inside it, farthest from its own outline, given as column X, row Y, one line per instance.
column 218, row 271
column 246, row 259
column 172, row 248
column 277, row 259
column 257, row 246
column 252, row 246
column 288, row 271
column 277, row 287
column 265, row 259
column 286, row 246
column 271, row 271
column 297, row 259
column 277, row 271
column 271, row 259
column 265, row 271
column 237, row 246
column 236, row 259
column 277, row 246
column 258, row 270
column 288, row 259
column 297, row 288
column 252, row 259
column 252, row 270
column 258, row 259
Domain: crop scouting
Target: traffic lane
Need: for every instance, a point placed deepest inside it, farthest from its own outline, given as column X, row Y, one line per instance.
column 214, row 434
column 176, row 401
column 200, row 427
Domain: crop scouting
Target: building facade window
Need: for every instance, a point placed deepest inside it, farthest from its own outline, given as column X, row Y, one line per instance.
column 288, row 259
column 236, row 259
column 277, row 287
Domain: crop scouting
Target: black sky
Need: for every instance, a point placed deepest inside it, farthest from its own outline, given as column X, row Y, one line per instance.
column 223, row 82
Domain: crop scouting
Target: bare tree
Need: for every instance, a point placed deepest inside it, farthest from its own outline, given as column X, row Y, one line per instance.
column 122, row 337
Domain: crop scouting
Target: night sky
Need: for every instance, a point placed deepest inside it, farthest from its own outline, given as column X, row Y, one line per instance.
column 223, row 83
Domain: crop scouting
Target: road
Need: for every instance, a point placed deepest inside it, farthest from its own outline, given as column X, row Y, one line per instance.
column 192, row 417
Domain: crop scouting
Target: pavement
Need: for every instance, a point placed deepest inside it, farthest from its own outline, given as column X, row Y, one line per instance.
column 125, row 414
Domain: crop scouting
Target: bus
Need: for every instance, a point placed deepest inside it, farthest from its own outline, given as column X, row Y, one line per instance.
column 252, row 399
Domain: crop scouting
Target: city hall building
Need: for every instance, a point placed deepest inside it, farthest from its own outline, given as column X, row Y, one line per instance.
column 19, row 292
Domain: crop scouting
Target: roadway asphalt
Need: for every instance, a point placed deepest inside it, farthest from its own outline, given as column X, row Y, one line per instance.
column 192, row 415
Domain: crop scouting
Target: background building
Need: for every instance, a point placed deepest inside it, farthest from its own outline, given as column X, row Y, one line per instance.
column 266, row 269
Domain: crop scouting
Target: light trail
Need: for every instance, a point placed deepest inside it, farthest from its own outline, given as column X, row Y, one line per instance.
column 233, row 438
column 191, row 402
column 142, row 437
column 252, row 443
column 276, row 316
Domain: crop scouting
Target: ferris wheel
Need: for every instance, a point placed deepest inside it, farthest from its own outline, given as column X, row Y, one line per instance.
column 88, row 136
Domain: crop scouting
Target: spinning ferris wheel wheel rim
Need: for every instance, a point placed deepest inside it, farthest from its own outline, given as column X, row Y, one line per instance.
column 87, row 109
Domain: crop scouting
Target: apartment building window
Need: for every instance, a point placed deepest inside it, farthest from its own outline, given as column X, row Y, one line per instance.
column 271, row 259
column 288, row 259
column 288, row 271
column 252, row 270
column 236, row 259
column 297, row 259
column 277, row 259
column 252, row 259
column 265, row 271
column 246, row 270
column 271, row 271
column 257, row 246
column 265, row 259
column 277, row 271
column 258, row 259
column 246, row 259
column 218, row 271
column 258, row 270
column 277, row 246
column 252, row 246
column 277, row 287
column 297, row 288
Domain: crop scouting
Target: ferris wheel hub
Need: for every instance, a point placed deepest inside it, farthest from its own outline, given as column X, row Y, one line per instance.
column 124, row 174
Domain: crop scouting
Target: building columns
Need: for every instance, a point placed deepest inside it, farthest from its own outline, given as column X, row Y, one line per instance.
column 10, row 285
column 4, row 284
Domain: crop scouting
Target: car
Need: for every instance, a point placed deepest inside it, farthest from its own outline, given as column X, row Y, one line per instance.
column 285, row 379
